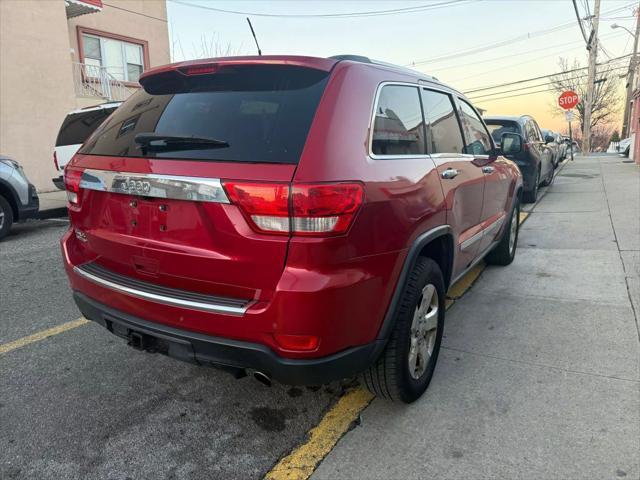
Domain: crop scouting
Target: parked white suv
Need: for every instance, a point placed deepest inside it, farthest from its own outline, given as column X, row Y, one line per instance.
column 75, row 129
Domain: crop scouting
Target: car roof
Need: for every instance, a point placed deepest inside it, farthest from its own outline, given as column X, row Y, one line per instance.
column 320, row 63
column 510, row 118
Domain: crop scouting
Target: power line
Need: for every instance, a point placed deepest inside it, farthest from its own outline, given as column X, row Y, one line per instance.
column 134, row 12
column 537, row 85
column 505, row 67
column 519, row 54
column 490, row 46
column 526, row 80
column 371, row 13
column 584, row 35
column 511, row 96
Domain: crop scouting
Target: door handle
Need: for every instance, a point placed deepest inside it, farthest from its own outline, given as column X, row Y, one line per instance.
column 450, row 173
column 488, row 169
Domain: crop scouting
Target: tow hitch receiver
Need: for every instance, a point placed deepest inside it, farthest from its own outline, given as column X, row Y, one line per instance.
column 137, row 341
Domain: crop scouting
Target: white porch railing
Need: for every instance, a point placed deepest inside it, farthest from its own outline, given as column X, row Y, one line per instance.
column 94, row 81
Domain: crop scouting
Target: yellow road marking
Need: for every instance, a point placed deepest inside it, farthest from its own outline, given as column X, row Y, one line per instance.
column 301, row 463
column 461, row 286
column 36, row 337
column 523, row 217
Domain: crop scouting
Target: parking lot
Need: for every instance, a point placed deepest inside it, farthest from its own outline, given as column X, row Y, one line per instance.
column 538, row 377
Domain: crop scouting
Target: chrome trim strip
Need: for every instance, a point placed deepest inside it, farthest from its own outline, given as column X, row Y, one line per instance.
column 497, row 224
column 471, row 240
column 174, row 187
column 163, row 299
column 482, row 233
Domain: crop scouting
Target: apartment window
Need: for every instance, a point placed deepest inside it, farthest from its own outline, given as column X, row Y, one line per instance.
column 122, row 59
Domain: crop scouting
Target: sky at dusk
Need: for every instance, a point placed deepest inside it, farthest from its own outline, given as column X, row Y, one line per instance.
column 494, row 41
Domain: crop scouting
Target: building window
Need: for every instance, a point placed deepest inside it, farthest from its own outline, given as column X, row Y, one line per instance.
column 124, row 60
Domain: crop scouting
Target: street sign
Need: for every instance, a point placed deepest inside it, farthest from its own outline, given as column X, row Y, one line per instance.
column 569, row 115
column 568, row 100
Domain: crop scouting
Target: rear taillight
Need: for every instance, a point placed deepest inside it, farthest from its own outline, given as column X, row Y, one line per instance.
column 55, row 161
column 525, row 147
column 298, row 209
column 72, row 184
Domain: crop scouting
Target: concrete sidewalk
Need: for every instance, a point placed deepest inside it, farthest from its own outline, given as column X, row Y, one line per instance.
column 539, row 374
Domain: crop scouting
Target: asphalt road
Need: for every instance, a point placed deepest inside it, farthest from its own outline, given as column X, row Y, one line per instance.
column 84, row 405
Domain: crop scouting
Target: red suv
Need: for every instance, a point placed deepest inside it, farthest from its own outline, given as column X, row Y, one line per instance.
column 299, row 218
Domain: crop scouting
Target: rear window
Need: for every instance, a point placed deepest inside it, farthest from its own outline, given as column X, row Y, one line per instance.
column 77, row 127
column 497, row 128
column 399, row 128
column 257, row 113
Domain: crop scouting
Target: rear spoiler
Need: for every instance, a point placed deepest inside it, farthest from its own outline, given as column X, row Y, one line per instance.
column 174, row 77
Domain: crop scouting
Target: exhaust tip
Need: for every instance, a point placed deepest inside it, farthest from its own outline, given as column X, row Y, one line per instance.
column 262, row 378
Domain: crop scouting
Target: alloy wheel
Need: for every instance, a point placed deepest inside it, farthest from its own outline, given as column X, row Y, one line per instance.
column 424, row 328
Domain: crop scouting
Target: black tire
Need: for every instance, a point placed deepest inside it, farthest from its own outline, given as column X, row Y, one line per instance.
column 549, row 180
column 532, row 195
column 390, row 376
column 6, row 217
column 505, row 251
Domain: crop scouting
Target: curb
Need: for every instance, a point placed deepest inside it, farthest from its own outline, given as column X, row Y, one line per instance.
column 53, row 213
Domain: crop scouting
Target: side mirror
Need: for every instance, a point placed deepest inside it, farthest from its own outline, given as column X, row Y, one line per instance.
column 510, row 143
column 549, row 139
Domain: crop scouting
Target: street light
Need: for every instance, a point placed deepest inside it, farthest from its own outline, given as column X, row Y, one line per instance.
column 615, row 25
column 626, row 120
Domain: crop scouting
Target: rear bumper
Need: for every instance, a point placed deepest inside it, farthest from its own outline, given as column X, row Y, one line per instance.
column 208, row 350
column 30, row 210
column 528, row 175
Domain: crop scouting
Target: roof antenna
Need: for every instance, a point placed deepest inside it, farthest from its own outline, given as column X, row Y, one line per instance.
column 254, row 36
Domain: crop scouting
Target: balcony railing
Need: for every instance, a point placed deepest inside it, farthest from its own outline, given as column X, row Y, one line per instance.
column 94, row 81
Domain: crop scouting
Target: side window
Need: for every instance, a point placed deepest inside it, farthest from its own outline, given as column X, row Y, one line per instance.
column 475, row 133
column 398, row 128
column 533, row 133
column 443, row 129
column 538, row 134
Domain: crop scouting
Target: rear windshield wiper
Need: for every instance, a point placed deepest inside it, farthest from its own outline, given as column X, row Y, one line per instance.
column 157, row 142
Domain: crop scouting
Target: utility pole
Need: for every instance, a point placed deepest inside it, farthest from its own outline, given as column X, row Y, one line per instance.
column 632, row 72
column 592, row 46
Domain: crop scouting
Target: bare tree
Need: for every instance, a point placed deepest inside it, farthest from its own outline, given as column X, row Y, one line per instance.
column 601, row 137
column 607, row 99
column 211, row 46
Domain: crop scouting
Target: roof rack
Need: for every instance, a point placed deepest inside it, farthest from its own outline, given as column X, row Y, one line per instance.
column 363, row 59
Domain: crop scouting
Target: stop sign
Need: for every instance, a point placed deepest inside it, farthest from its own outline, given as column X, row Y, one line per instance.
column 568, row 100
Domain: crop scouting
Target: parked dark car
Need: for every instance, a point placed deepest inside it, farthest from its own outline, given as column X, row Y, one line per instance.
column 298, row 218
column 562, row 147
column 552, row 140
column 536, row 158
